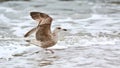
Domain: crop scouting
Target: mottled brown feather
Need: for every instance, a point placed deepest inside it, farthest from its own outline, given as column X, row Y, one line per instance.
column 43, row 33
column 43, row 29
column 36, row 15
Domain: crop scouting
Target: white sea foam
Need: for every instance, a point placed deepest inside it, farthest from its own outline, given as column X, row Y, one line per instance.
column 4, row 19
column 7, row 9
column 90, row 42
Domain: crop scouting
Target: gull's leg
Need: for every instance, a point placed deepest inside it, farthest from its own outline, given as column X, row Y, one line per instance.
column 50, row 50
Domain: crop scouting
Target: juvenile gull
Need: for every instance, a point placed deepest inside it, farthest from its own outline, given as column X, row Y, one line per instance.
column 44, row 36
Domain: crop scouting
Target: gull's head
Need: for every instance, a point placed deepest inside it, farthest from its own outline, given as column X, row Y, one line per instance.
column 58, row 29
column 59, row 32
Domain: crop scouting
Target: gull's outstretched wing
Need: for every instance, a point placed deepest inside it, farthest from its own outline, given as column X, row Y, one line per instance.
column 30, row 32
column 43, row 30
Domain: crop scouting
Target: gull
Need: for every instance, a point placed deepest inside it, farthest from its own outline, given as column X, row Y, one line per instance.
column 44, row 36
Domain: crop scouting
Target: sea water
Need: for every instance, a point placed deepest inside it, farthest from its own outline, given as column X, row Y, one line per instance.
column 92, row 39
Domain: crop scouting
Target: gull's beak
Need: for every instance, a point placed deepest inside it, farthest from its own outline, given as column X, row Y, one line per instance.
column 65, row 29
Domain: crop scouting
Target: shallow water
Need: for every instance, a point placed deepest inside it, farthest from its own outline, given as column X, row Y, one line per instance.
column 92, row 39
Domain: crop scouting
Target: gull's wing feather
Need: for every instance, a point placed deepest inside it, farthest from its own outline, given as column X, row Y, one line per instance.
column 38, row 15
column 35, row 15
column 44, row 32
column 30, row 32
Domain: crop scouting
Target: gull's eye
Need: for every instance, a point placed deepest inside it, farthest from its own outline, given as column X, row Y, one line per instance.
column 58, row 28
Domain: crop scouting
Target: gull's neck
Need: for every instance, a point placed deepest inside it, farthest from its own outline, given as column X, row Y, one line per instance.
column 55, row 34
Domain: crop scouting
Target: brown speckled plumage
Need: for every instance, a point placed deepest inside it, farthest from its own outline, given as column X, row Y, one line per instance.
column 44, row 37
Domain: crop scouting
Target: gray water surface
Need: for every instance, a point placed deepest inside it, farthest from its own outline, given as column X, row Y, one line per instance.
column 92, row 39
